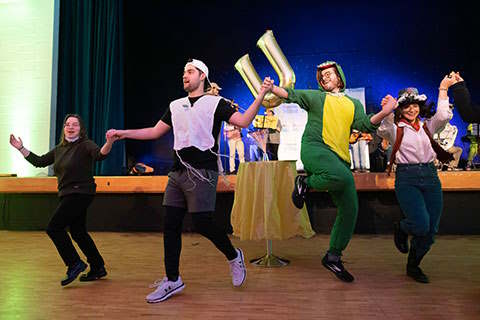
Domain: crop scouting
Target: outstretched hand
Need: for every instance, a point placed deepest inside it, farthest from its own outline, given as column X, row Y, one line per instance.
column 456, row 76
column 267, row 86
column 389, row 103
column 448, row 80
column 113, row 135
column 16, row 143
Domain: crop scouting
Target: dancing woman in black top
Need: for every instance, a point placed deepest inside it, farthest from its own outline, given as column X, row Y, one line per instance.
column 72, row 160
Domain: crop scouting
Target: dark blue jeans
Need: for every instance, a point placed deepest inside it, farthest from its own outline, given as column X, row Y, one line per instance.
column 419, row 194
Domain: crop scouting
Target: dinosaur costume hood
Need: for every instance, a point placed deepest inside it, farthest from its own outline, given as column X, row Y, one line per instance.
column 326, row 65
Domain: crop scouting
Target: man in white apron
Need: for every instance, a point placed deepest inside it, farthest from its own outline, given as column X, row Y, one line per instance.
column 192, row 184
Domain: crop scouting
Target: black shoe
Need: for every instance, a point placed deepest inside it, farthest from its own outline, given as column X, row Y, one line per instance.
column 400, row 238
column 93, row 274
column 299, row 191
column 73, row 272
column 417, row 274
column 337, row 268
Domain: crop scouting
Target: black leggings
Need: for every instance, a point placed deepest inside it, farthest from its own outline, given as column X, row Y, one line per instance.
column 72, row 212
column 172, row 239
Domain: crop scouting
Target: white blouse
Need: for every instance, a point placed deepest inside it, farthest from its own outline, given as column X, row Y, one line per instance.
column 416, row 146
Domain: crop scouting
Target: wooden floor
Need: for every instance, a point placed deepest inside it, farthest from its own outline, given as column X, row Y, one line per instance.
column 30, row 271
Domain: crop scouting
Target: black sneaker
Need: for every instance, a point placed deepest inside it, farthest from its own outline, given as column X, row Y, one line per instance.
column 93, row 274
column 417, row 274
column 338, row 269
column 73, row 272
column 400, row 238
column 299, row 191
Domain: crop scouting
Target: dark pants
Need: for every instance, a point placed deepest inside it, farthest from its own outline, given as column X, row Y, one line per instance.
column 72, row 212
column 272, row 151
column 419, row 194
column 172, row 240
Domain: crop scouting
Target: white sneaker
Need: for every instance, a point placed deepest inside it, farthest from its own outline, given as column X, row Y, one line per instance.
column 237, row 269
column 165, row 289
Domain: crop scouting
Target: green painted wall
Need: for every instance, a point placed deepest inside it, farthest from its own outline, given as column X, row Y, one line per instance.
column 26, row 46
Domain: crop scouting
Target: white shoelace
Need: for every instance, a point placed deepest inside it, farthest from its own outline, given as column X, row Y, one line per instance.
column 158, row 283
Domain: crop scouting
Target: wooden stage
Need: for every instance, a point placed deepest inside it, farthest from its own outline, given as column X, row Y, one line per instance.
column 30, row 271
column 451, row 181
column 133, row 203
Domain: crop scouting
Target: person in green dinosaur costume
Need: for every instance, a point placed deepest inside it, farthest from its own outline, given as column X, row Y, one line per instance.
column 324, row 152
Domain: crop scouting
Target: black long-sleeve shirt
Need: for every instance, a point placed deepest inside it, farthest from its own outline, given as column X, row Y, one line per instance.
column 72, row 165
column 467, row 110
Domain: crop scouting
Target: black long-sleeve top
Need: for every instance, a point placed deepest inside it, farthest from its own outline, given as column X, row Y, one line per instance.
column 461, row 96
column 72, row 165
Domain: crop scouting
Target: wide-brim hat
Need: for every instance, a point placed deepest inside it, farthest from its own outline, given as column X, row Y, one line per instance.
column 410, row 95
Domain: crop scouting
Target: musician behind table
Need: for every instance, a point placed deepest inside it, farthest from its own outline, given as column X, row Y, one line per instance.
column 235, row 143
column 359, row 152
column 473, row 137
column 446, row 139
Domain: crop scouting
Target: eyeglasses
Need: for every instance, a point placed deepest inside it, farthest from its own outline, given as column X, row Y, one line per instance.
column 327, row 74
column 72, row 125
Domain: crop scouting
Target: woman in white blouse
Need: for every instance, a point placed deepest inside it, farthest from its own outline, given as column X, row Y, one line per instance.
column 417, row 186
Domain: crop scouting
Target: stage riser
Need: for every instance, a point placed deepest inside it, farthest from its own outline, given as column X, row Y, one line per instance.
column 144, row 212
column 364, row 182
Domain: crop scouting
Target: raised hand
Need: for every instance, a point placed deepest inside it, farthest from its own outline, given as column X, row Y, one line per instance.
column 17, row 144
column 268, row 84
column 111, row 136
column 389, row 103
column 115, row 134
column 448, row 81
column 457, row 76
column 110, row 133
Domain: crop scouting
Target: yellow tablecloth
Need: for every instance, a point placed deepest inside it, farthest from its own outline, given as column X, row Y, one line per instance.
column 262, row 207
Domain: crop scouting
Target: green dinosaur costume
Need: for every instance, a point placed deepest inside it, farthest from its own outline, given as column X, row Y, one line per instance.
column 324, row 150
